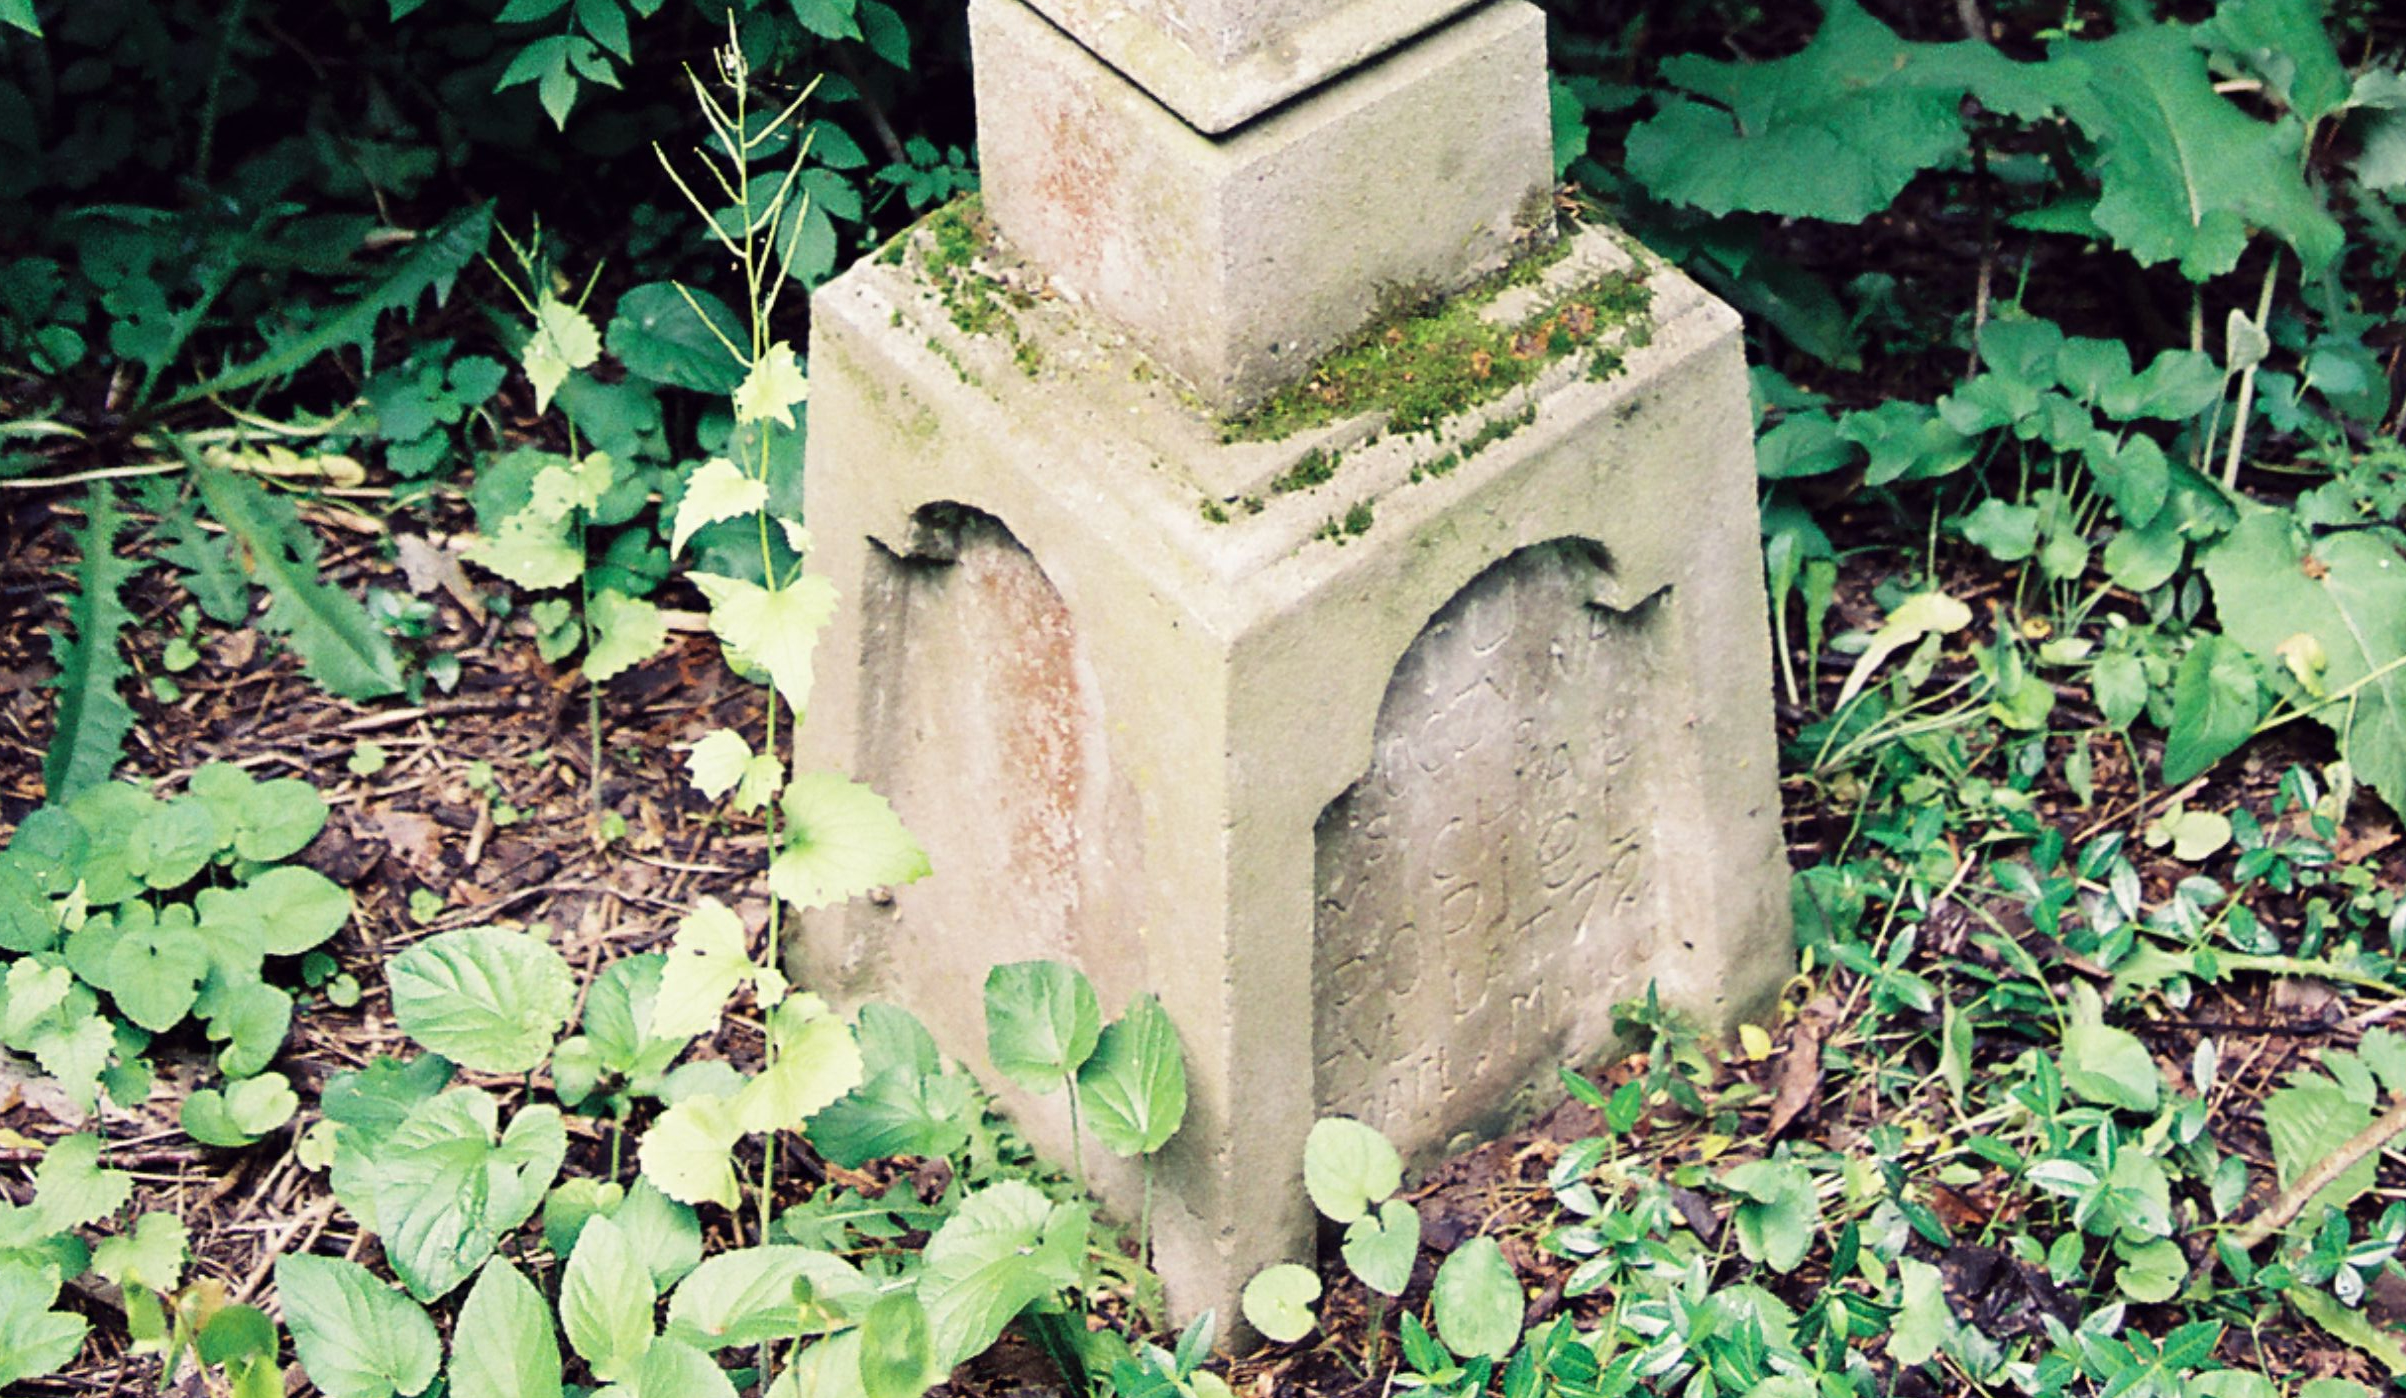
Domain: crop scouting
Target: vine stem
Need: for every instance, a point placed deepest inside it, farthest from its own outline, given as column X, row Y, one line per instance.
column 2247, row 378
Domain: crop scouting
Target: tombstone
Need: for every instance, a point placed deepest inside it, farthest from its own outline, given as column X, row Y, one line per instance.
column 1390, row 748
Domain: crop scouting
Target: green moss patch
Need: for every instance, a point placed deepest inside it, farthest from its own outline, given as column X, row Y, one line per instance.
column 1440, row 360
column 952, row 242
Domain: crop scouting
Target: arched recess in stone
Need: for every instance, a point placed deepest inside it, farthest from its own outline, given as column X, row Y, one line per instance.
column 1485, row 893
column 985, row 729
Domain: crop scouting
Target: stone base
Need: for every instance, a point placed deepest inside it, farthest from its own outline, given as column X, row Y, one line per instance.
column 1238, row 260
column 1390, row 783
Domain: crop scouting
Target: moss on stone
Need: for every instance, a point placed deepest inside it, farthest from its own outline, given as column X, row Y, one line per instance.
column 1437, row 361
column 1316, row 467
column 953, row 242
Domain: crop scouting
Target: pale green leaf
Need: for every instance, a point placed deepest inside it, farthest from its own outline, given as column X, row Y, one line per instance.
column 718, row 490
column 1922, row 1322
column 242, row 1113
column 814, row 1062
column 686, row 1153
column 746, row 1297
column 718, row 761
column 357, row 1337
column 2308, row 1122
column 484, row 997
column 1348, row 1167
column 72, row 1189
column 1778, row 1213
column 534, row 553
column 34, row 1339
column 1278, row 1302
column 563, row 342
column 1134, row 1086
column 152, row 1255
column 1381, row 1247
column 773, row 389
column 606, row 1301
column 709, row 959
column 1924, row 614
column 626, row 632
column 2103, row 1064
column 503, row 1345
column 1478, row 1301
column 771, row 629
column 673, row 1370
column 842, row 840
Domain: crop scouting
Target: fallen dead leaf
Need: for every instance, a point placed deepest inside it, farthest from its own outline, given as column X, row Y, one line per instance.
column 1800, row 1064
column 416, row 838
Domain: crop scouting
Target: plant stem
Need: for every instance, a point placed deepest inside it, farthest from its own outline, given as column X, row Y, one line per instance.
column 217, row 78
column 2301, row 1191
column 1144, row 1220
column 1077, row 1137
column 2247, row 377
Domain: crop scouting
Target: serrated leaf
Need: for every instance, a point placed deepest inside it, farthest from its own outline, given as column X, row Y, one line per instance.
column 449, row 1184
column 1006, row 1248
column 2215, row 705
column 606, row 1301
column 483, row 997
column 357, row 1337
column 1278, row 1302
column 686, row 1152
column 1135, row 1084
column 341, row 648
column 1042, row 1022
column 152, row 1255
column 72, row 1189
column 503, row 1345
column 532, row 552
column 1478, row 1301
column 900, row 1110
column 92, row 718
column 815, row 1062
column 34, row 1339
column 626, row 632
column 563, row 340
column 745, row 1298
column 773, row 388
column 718, row 490
column 718, row 761
column 842, row 840
column 709, row 959
column 1348, row 1167
column 773, row 629
column 2288, row 43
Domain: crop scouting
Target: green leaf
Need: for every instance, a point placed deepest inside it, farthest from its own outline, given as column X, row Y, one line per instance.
column 1381, row 1247
column 1923, row 1320
column 278, row 820
column 563, row 340
column 899, row 1111
column 92, row 718
column 503, row 1345
column 771, row 629
column 1134, row 1087
column 2214, row 708
column 2151, row 1273
column 2288, row 43
column 626, row 632
column 155, row 970
column 663, row 1232
column 708, row 960
column 717, row 490
column 448, row 1184
column 718, row 762
column 484, row 997
column 1778, row 1214
column 606, row 1301
column 1042, row 1022
column 2105, row 1065
column 357, row 1337
column 657, row 335
column 2186, row 173
column 1846, row 123
column 1348, row 1167
column 620, row 1018
column 1007, row 1248
column 20, row 14
column 72, row 1189
column 814, row 1063
column 1924, row 614
column 297, row 908
column 1478, row 1301
column 2309, row 1121
column 898, row 1351
column 243, row 1113
column 673, row 1370
column 341, row 649
column 842, row 840
column 773, row 388
column 746, row 1298
column 2007, row 532
column 34, row 1339
column 2348, row 592
column 1278, row 1302
column 686, row 1152
column 151, row 1256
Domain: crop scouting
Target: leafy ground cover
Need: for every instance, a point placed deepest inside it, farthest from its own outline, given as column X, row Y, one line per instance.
column 374, row 1005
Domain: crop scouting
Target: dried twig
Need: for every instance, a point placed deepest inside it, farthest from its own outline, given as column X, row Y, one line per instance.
column 2360, row 1147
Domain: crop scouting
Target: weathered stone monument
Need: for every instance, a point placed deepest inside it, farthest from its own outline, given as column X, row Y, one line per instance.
column 1283, row 573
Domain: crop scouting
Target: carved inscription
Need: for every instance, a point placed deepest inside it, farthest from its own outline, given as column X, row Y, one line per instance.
column 1485, row 892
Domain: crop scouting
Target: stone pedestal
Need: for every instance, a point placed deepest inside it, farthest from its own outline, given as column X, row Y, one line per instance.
column 1237, row 259
column 1389, row 761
